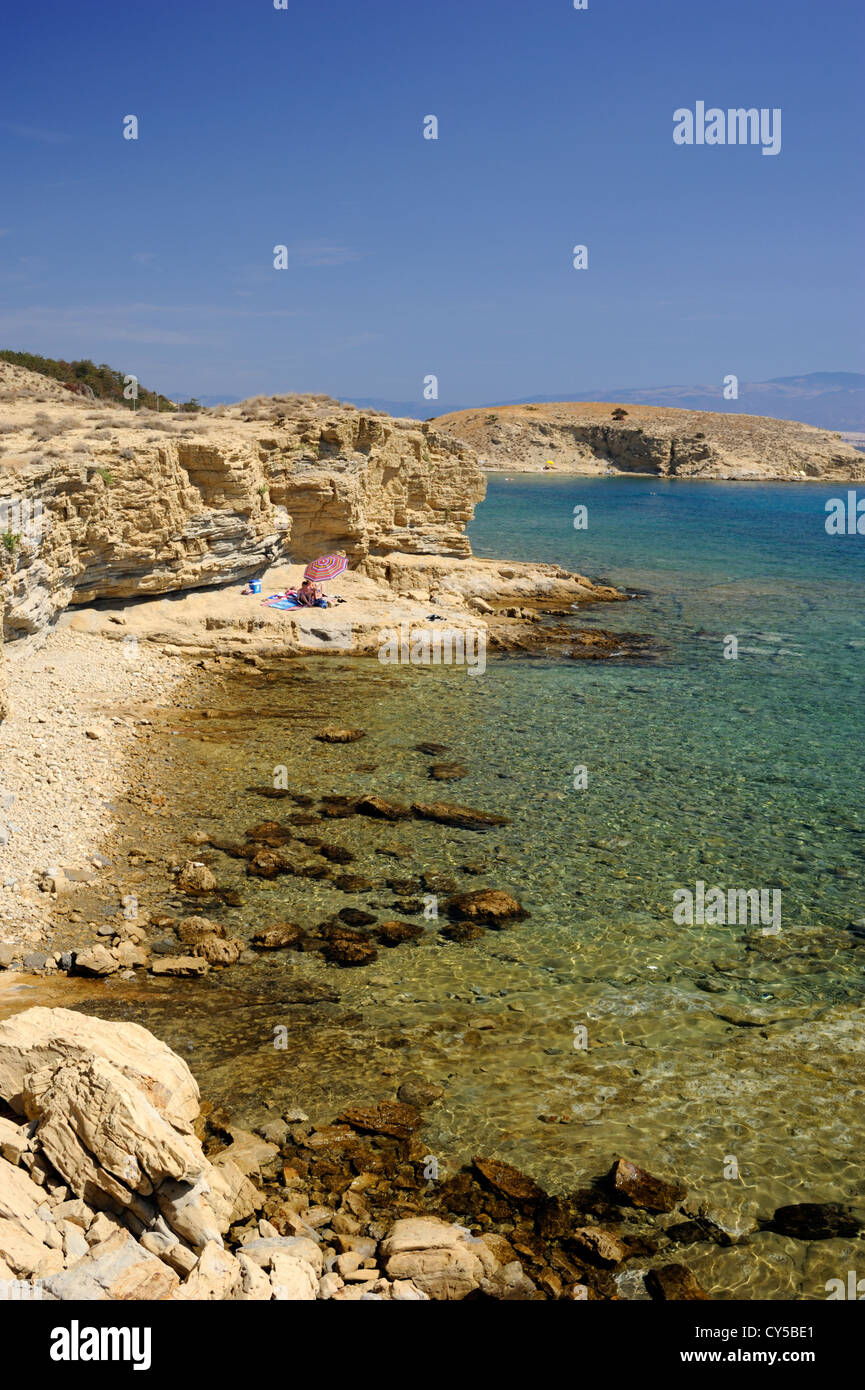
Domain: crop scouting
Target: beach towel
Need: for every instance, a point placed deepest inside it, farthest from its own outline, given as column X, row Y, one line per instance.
column 279, row 601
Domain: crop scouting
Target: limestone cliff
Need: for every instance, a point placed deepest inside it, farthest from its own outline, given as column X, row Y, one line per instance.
column 584, row 438
column 97, row 501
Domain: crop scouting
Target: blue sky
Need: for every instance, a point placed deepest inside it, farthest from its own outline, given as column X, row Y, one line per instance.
column 410, row 257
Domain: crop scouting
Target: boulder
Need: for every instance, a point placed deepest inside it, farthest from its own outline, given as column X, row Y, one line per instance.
column 191, row 930
column 20, row 1198
column 117, row 1269
column 218, row 951
column 42, row 1037
column 25, row 1253
column 96, row 960
column 393, row 1118
column 14, row 1140
column 280, row 935
column 196, row 879
column 489, row 906
column 292, row 1280
column 440, row 1259
column 510, row 1182
column 636, row 1187
column 216, row 1276
column 103, row 1135
column 673, row 1282
column 183, row 967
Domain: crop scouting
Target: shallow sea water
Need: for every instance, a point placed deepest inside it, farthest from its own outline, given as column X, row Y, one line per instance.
column 711, row 1049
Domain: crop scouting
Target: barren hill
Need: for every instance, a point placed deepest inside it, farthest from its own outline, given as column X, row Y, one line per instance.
column 583, row 437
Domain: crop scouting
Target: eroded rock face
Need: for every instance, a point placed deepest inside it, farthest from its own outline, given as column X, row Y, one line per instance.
column 141, row 503
column 112, row 1110
column 584, row 437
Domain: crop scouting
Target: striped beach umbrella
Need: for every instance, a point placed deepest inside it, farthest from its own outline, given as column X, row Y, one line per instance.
column 325, row 567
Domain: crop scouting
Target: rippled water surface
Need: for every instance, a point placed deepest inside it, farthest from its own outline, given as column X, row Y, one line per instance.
column 712, row 1050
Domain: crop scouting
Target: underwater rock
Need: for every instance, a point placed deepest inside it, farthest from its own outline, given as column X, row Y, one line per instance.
column 488, row 905
column 280, row 935
column 673, row 1282
column 635, row 1186
column 509, row 1181
column 815, row 1221
column 446, row 813
column 196, row 879
column 394, row 933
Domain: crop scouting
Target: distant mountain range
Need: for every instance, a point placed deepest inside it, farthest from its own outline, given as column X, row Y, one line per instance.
column 830, row 400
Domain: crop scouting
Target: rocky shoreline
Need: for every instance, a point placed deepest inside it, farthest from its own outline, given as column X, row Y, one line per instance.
column 117, row 1183
column 591, row 438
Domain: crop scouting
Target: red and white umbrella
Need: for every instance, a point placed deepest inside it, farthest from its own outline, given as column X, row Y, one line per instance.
column 325, row 567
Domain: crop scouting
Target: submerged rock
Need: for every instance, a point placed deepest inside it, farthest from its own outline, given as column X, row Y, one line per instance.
column 184, row 967
column 598, row 1246
column 673, row 1282
column 353, row 883
column 446, row 813
column 191, row 930
column 416, row 1091
column 371, row 805
column 218, row 951
column 448, row 772
column 395, row 933
column 348, row 951
column 280, row 935
column 488, row 905
column 196, row 879
column 509, row 1181
column 356, row 917
column 462, row 932
column 815, row 1221
column 267, row 864
column 395, row 1118
column 336, row 854
column 635, row 1186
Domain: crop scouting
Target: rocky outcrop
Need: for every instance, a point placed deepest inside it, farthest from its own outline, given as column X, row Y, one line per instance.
column 106, row 1191
column 100, row 502
column 584, row 437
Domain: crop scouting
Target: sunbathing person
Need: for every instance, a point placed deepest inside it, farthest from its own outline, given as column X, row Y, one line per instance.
column 309, row 595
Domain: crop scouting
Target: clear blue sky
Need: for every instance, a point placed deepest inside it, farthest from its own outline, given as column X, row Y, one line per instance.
column 411, row 256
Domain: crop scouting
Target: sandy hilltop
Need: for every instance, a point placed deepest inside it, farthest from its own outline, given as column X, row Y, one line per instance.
column 595, row 437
